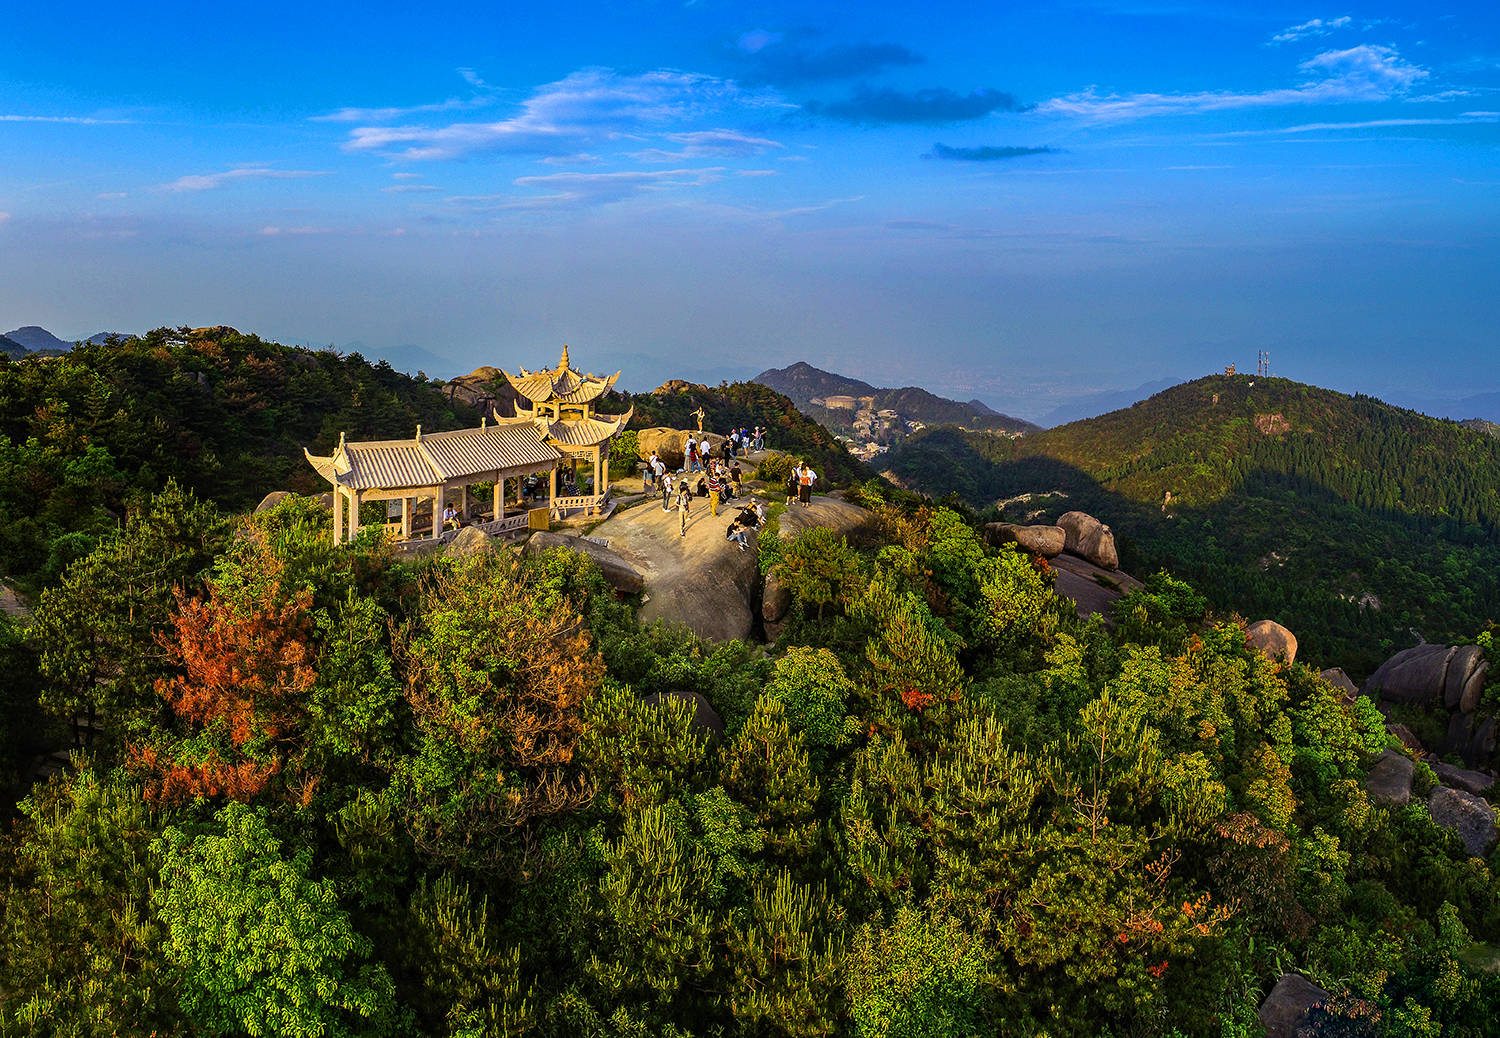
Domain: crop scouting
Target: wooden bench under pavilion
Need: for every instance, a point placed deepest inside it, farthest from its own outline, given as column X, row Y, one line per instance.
column 429, row 466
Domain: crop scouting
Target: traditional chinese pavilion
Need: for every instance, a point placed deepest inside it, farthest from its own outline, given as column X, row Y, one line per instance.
column 562, row 410
column 559, row 427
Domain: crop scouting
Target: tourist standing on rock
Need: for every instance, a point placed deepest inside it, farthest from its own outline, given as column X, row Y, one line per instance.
column 805, row 480
column 684, row 504
column 715, row 488
column 666, row 494
column 792, row 482
column 760, row 439
column 659, row 466
column 648, row 474
column 690, row 453
column 736, row 477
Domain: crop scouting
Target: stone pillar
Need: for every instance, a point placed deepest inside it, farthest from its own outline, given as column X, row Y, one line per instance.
column 463, row 502
column 338, row 514
column 406, row 511
column 354, row 503
column 499, row 510
column 438, row 494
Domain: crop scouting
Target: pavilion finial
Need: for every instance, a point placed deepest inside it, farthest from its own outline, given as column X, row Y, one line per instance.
column 419, row 432
column 341, row 438
column 562, row 365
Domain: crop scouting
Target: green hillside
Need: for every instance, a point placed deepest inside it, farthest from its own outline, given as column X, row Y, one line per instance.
column 85, row 435
column 746, row 405
column 1288, row 501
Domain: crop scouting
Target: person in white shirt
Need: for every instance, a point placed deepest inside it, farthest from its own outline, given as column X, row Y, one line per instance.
column 805, row 481
column 690, row 452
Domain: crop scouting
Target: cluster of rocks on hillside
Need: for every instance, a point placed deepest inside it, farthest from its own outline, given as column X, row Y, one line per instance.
column 1081, row 551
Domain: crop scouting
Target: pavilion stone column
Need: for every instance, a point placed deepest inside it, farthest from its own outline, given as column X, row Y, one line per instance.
column 463, row 502
column 499, row 510
column 438, row 495
column 354, row 503
column 406, row 511
column 601, row 482
column 338, row 514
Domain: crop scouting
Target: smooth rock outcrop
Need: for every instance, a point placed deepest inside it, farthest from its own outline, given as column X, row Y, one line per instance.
column 1088, row 538
column 671, row 444
column 775, row 600
column 622, row 576
column 1462, row 778
column 1336, row 677
column 1442, row 675
column 468, row 541
column 836, row 514
column 1469, row 815
column 271, row 500
column 1286, row 1007
column 1389, row 781
column 1273, row 640
column 1407, row 737
column 1046, row 541
column 704, row 715
column 1092, row 588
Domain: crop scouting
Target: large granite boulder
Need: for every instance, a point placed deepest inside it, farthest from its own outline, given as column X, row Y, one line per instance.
column 1462, row 778
column 470, row 540
column 622, row 576
column 1286, row 1007
column 836, row 514
column 1088, row 538
column 671, row 444
column 709, row 591
column 1336, row 677
column 1046, row 541
column 1407, row 737
column 1272, row 639
column 1452, row 676
column 1469, row 815
column 1092, row 588
column 775, row 600
column 271, row 500
column 1389, row 781
column 705, row 717
column 1470, row 736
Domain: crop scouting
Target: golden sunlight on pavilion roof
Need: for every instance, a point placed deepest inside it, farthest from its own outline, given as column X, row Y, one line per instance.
column 431, row 459
column 561, row 384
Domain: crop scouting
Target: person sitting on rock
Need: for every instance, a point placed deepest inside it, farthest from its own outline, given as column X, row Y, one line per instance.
column 702, row 486
column 746, row 520
column 450, row 517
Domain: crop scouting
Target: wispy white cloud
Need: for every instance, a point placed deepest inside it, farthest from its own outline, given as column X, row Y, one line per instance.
column 591, row 105
column 110, row 194
column 4, row 216
column 397, row 189
column 1315, row 28
column 585, row 190
column 1370, row 72
column 210, row 181
column 406, row 176
column 484, row 96
column 709, row 144
column 272, row 232
column 71, row 120
column 1466, row 119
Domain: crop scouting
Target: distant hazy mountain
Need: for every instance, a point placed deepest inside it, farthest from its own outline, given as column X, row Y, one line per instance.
column 1482, row 425
column 35, row 339
column 410, row 359
column 803, row 383
column 1092, row 405
column 100, row 338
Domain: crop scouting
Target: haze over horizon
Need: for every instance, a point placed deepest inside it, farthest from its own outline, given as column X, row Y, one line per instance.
column 1009, row 205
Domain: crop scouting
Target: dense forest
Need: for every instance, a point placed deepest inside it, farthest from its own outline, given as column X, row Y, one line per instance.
column 337, row 792
column 86, row 436
column 1350, row 521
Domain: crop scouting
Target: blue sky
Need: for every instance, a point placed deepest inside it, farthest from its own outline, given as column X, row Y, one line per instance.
column 1020, row 205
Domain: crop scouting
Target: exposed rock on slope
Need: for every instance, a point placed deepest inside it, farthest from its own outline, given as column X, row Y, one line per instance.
column 836, row 514
column 1272, row 639
column 1470, row 816
column 1092, row 588
column 1389, row 781
column 1046, row 541
column 1285, row 1009
column 621, row 574
column 1088, row 538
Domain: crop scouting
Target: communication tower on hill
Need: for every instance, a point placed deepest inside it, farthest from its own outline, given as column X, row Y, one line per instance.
column 1263, row 365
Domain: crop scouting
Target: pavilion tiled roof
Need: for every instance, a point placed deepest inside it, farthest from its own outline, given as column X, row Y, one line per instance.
column 585, row 432
column 561, row 384
column 426, row 461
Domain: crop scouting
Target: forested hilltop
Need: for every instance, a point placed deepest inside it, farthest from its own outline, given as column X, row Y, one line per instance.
column 341, row 793
column 86, row 436
column 1350, row 521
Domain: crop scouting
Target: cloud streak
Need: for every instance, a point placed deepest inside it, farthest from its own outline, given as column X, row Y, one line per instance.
column 986, row 153
column 710, row 144
column 1369, row 72
column 571, row 191
column 1312, row 29
column 588, row 106
column 932, row 106
column 211, row 181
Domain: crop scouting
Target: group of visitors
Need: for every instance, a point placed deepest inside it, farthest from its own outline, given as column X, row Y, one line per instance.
column 800, row 483
column 699, row 450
